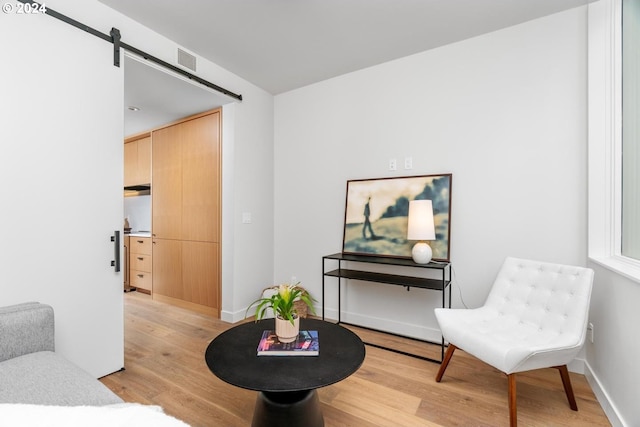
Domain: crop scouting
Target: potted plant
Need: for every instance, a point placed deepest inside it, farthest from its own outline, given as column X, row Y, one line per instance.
column 284, row 303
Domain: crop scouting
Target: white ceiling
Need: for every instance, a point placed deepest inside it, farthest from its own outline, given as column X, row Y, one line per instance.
column 281, row 45
column 162, row 97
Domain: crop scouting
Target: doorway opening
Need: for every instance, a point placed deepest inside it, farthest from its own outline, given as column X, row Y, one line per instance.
column 154, row 98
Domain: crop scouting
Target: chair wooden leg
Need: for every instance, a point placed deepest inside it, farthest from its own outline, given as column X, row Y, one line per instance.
column 513, row 410
column 566, row 382
column 447, row 357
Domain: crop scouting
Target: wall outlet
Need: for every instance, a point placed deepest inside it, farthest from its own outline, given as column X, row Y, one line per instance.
column 392, row 164
column 590, row 329
column 408, row 163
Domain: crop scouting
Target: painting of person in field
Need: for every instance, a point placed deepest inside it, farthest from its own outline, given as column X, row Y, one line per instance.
column 377, row 209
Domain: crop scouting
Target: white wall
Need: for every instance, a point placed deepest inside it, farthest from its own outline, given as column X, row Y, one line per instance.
column 247, row 183
column 612, row 357
column 250, row 245
column 137, row 210
column 612, row 360
column 505, row 113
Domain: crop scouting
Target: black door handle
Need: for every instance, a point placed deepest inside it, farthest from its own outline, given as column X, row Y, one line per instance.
column 116, row 250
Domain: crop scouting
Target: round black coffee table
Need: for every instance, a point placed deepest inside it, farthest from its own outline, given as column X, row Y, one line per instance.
column 287, row 384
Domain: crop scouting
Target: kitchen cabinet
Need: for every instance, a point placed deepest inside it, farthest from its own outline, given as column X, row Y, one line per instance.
column 140, row 263
column 166, row 201
column 186, row 212
column 137, row 160
column 127, row 263
column 186, row 180
column 185, row 273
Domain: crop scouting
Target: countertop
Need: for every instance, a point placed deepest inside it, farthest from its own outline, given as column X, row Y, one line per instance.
column 139, row 234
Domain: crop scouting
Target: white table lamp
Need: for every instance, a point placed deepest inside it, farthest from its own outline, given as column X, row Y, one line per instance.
column 421, row 227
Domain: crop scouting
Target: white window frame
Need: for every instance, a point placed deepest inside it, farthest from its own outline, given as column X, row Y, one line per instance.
column 605, row 139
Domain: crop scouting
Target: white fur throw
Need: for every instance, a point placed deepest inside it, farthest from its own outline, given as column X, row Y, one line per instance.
column 118, row 415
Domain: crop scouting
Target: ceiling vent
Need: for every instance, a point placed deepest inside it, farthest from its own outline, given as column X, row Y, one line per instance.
column 186, row 60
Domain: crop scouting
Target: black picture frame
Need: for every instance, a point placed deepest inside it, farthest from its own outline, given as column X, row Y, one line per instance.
column 375, row 220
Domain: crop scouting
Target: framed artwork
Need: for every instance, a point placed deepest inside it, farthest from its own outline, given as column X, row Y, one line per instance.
column 376, row 214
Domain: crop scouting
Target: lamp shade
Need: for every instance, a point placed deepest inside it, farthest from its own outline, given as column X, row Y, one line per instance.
column 421, row 226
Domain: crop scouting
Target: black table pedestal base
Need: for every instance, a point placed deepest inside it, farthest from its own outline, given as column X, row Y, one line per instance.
column 291, row 409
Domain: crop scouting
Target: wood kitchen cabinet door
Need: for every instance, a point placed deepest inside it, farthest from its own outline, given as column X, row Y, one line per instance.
column 186, row 273
column 137, row 161
column 144, row 160
column 200, row 273
column 130, row 163
column 166, row 196
column 186, row 212
column 186, row 180
column 200, row 178
column 167, row 268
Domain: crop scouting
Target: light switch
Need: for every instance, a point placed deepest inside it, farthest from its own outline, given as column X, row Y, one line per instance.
column 246, row 217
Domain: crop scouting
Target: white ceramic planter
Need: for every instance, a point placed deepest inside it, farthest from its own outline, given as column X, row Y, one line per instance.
column 285, row 331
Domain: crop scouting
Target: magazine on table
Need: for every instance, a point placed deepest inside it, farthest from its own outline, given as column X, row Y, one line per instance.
column 306, row 344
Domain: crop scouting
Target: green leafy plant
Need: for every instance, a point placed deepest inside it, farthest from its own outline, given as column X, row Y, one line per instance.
column 283, row 302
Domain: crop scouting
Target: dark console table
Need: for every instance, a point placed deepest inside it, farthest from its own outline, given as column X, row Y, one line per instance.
column 287, row 384
column 440, row 283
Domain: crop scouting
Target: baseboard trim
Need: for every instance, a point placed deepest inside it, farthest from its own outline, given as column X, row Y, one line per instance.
column 409, row 330
column 603, row 398
column 233, row 317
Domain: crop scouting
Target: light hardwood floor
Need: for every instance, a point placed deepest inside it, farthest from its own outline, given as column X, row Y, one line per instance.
column 164, row 365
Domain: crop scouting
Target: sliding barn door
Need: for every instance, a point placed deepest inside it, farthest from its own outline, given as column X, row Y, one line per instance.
column 61, row 179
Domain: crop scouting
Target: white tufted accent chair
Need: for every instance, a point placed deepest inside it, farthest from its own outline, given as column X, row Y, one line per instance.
column 535, row 317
